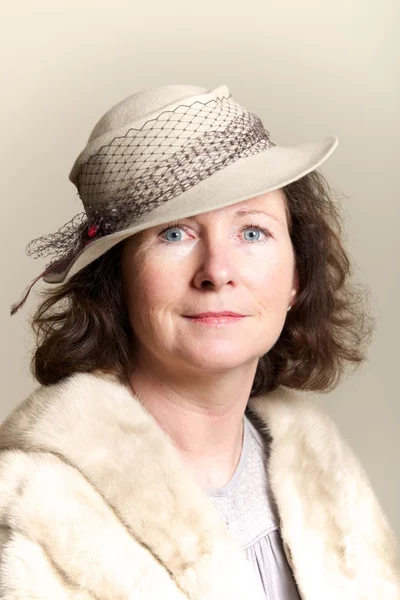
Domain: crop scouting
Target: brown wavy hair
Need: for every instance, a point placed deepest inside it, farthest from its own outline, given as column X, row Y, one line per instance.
column 82, row 325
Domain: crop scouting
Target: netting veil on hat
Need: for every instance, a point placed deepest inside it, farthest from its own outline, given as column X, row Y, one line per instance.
column 161, row 154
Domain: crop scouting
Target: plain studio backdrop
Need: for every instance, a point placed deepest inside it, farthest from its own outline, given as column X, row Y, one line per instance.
column 309, row 69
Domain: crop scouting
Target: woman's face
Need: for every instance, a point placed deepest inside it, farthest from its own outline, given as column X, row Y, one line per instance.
column 217, row 261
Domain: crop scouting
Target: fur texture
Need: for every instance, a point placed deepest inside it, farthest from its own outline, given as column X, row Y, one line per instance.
column 96, row 504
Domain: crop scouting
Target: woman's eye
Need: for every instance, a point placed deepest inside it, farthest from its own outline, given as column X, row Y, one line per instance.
column 253, row 229
column 173, row 230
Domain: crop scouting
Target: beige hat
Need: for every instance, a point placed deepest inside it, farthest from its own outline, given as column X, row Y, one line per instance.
column 163, row 154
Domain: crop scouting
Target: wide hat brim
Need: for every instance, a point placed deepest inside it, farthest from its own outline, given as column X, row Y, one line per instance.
column 246, row 178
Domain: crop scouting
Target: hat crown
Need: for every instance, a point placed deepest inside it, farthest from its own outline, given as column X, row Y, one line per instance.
column 138, row 109
column 142, row 104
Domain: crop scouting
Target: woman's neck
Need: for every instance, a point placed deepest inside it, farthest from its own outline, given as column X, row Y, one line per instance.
column 205, row 425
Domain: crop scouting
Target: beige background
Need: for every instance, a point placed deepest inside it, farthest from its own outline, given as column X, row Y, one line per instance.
column 309, row 69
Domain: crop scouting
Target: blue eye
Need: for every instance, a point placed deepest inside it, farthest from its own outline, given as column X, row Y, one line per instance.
column 174, row 231
column 166, row 230
column 253, row 229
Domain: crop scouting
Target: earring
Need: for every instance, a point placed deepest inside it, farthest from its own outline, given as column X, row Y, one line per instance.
column 289, row 307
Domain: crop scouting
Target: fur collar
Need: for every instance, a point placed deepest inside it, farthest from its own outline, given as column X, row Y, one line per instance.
column 335, row 534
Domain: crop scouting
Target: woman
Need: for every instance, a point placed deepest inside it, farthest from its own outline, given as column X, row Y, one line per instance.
column 170, row 452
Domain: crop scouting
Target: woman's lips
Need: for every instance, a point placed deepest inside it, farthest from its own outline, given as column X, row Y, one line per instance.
column 225, row 313
column 216, row 318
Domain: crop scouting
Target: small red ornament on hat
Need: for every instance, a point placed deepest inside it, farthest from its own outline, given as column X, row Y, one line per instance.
column 92, row 230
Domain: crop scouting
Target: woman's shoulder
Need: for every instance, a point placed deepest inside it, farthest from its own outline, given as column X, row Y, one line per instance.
column 30, row 463
column 289, row 414
column 34, row 433
column 74, row 397
column 49, row 510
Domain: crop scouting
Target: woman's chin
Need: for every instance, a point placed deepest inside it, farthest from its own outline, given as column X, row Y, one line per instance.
column 219, row 359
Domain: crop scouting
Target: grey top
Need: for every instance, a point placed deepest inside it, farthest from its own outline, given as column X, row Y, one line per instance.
column 246, row 505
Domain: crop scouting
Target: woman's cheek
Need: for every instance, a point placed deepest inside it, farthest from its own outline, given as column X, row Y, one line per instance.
column 157, row 288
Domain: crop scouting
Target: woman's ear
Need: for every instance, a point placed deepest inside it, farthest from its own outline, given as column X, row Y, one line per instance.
column 295, row 288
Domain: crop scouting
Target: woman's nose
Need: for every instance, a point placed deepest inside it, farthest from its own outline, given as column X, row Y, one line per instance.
column 215, row 267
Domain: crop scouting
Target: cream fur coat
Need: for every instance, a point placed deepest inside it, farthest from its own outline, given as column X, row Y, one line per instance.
column 96, row 505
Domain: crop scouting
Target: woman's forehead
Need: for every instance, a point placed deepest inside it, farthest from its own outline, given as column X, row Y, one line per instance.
column 271, row 204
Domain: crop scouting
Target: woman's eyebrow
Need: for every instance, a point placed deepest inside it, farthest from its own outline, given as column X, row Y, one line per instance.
column 253, row 211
